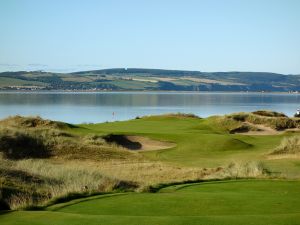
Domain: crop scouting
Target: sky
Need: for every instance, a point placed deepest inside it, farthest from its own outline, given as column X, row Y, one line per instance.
column 203, row 35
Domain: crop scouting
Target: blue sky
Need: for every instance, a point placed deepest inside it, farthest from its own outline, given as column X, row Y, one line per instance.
column 205, row 35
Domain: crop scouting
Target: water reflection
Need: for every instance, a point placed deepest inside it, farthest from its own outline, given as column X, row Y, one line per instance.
column 99, row 107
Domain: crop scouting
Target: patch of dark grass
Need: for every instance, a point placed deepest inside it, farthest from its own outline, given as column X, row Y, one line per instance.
column 269, row 113
column 241, row 129
column 123, row 141
column 125, row 186
column 17, row 144
column 12, row 176
column 239, row 117
column 157, row 188
column 4, row 205
column 18, row 195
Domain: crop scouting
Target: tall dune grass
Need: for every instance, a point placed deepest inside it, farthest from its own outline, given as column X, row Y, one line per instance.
column 147, row 173
column 274, row 120
column 22, row 143
column 54, row 179
column 289, row 145
column 235, row 170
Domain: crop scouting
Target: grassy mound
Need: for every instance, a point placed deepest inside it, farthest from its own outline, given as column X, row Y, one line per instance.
column 30, row 170
column 17, row 144
column 289, row 145
column 79, row 160
column 269, row 113
column 31, row 182
column 174, row 115
column 274, row 120
column 33, row 122
column 33, row 137
column 234, row 123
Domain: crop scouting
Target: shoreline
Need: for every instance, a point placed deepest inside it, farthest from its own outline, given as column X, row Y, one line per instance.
column 146, row 91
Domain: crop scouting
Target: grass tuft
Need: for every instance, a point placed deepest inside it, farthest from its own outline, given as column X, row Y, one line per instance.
column 237, row 170
column 289, row 145
column 274, row 120
column 269, row 113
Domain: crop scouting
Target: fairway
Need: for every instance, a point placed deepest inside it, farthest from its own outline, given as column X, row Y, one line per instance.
column 191, row 152
column 150, row 112
column 199, row 142
column 224, row 202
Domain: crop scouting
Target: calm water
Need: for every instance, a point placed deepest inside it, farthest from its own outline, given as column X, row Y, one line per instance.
column 110, row 106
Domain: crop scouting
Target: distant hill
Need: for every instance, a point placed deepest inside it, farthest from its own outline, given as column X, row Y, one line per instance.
column 122, row 79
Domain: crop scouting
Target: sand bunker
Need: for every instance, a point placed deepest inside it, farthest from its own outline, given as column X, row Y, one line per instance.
column 132, row 142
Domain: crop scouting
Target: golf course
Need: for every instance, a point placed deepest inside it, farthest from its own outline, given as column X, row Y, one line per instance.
column 153, row 112
column 231, row 202
column 242, row 168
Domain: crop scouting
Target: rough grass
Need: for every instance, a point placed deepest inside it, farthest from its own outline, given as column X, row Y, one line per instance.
column 274, row 120
column 25, row 180
column 289, row 145
column 82, row 162
column 269, row 113
column 234, row 123
column 236, row 170
column 37, row 181
column 33, row 122
column 175, row 115
column 33, row 137
column 16, row 144
column 147, row 173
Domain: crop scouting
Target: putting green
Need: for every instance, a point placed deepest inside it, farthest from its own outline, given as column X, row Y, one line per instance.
column 225, row 202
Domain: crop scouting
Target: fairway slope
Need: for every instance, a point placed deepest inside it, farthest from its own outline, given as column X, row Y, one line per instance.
column 232, row 202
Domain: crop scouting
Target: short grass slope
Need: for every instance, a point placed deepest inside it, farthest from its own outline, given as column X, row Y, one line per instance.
column 199, row 142
column 242, row 202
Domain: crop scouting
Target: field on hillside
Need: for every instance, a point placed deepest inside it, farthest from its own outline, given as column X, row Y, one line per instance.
column 149, row 79
column 241, row 168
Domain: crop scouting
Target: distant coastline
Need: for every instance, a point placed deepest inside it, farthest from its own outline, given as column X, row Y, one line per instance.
column 149, row 91
column 134, row 79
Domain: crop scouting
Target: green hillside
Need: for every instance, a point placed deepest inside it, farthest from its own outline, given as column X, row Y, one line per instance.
column 149, row 80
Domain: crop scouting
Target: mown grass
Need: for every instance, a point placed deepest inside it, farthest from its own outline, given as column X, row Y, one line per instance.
column 200, row 142
column 241, row 202
column 81, row 161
